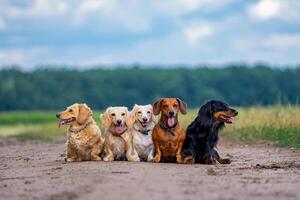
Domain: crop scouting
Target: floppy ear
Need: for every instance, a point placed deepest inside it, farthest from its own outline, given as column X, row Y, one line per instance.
column 84, row 113
column 205, row 115
column 182, row 106
column 153, row 117
column 105, row 119
column 157, row 106
column 129, row 118
column 133, row 111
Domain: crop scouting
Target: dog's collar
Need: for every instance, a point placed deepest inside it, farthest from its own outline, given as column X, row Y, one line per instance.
column 144, row 131
column 77, row 130
column 167, row 128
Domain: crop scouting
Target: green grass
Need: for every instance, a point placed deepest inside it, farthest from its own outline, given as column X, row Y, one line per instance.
column 279, row 124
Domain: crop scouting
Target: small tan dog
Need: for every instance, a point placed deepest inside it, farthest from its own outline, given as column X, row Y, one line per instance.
column 142, row 131
column 117, row 122
column 84, row 140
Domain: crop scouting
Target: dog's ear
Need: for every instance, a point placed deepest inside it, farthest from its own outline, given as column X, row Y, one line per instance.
column 129, row 118
column 154, row 118
column 84, row 113
column 182, row 106
column 105, row 118
column 205, row 115
column 157, row 106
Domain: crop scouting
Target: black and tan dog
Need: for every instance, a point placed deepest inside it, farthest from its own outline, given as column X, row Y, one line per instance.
column 168, row 136
column 202, row 133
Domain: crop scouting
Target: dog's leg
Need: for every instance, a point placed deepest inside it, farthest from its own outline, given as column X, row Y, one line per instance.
column 150, row 155
column 157, row 156
column 109, row 156
column 71, row 155
column 210, row 161
column 179, row 153
column 219, row 159
column 131, row 153
column 95, row 153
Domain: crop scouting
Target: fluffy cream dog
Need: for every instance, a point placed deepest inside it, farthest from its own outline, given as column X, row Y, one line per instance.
column 84, row 140
column 144, row 122
column 117, row 122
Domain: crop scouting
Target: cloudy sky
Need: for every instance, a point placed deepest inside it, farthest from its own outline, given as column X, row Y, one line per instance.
column 91, row 32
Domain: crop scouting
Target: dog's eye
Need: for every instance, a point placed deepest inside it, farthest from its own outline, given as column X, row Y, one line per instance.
column 70, row 110
column 140, row 112
column 113, row 114
column 123, row 114
column 148, row 112
column 175, row 105
column 165, row 106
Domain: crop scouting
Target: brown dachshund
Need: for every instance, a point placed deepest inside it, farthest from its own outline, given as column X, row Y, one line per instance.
column 168, row 136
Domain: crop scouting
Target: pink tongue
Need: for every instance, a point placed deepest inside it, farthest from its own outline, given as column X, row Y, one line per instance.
column 171, row 122
column 118, row 129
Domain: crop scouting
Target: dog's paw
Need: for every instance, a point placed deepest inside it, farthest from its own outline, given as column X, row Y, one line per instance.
column 108, row 159
column 224, row 160
column 189, row 160
column 70, row 159
column 156, row 159
column 211, row 161
column 96, row 158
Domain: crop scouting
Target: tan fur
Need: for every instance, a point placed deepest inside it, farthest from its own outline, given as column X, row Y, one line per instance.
column 84, row 141
column 168, row 145
column 118, row 147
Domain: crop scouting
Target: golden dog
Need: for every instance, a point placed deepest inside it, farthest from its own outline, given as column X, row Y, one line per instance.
column 84, row 140
column 117, row 122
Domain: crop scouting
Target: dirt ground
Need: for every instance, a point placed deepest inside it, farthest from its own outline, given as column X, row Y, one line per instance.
column 36, row 170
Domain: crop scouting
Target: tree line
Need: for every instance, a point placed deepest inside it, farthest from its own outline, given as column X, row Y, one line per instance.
column 54, row 89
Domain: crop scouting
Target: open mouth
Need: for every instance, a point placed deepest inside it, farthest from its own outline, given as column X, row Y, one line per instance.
column 227, row 119
column 119, row 128
column 171, row 121
column 144, row 124
column 66, row 121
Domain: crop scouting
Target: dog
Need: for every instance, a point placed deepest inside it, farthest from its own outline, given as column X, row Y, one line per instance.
column 144, row 122
column 168, row 136
column 84, row 141
column 203, row 133
column 118, row 122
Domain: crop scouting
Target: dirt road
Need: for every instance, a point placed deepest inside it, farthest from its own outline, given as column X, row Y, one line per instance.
column 36, row 170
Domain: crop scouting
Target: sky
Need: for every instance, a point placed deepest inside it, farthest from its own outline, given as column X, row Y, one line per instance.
column 36, row 33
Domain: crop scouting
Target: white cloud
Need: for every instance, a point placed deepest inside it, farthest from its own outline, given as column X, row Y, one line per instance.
column 283, row 41
column 197, row 31
column 179, row 7
column 25, row 57
column 36, row 8
column 287, row 10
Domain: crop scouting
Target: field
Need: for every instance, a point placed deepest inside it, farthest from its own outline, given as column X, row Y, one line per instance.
column 278, row 124
column 37, row 167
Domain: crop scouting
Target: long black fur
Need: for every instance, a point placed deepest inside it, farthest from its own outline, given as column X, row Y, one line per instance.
column 202, row 134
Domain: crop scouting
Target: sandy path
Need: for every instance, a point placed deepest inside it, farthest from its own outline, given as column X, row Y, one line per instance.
column 36, row 170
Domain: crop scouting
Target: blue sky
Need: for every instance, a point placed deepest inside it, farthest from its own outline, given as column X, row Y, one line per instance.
column 169, row 32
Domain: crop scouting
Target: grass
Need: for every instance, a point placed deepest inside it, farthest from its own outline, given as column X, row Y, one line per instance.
column 279, row 124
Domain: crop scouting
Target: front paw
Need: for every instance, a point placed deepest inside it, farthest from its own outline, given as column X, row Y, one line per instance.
column 210, row 161
column 224, row 160
column 156, row 159
column 108, row 159
column 189, row 160
column 96, row 158
column 134, row 159
column 179, row 159
column 70, row 159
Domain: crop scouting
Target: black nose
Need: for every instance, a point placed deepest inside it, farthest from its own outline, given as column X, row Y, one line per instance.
column 171, row 113
column 57, row 115
column 119, row 121
column 145, row 119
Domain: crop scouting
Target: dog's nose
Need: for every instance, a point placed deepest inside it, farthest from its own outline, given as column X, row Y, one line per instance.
column 57, row 115
column 171, row 113
column 119, row 121
column 145, row 119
